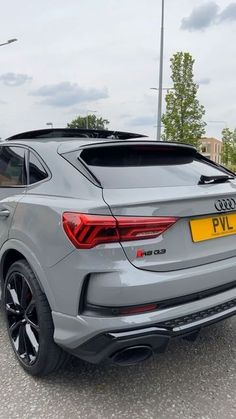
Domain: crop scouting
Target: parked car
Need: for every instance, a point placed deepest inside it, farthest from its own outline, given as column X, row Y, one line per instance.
column 111, row 245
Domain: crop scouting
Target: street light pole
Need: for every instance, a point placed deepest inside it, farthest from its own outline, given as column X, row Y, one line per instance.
column 159, row 113
column 87, row 118
column 10, row 41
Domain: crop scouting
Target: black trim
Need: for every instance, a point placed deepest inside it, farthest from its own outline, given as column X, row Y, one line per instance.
column 24, row 185
column 27, row 154
column 189, row 319
column 42, row 162
column 27, row 151
column 214, row 164
column 160, row 144
column 83, row 294
column 104, row 346
column 94, row 310
column 73, row 133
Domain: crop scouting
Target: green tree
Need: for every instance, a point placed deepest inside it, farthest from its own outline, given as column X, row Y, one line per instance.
column 228, row 154
column 183, row 117
column 90, row 121
column 227, row 137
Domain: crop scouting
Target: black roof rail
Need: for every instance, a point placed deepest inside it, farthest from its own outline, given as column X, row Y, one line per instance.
column 74, row 133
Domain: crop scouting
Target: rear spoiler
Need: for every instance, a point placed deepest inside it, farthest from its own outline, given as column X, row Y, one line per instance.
column 74, row 133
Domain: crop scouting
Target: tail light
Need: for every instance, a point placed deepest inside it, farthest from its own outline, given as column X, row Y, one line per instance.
column 86, row 230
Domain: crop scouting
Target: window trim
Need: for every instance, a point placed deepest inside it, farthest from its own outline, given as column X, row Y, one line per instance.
column 38, row 157
column 24, row 164
column 27, row 151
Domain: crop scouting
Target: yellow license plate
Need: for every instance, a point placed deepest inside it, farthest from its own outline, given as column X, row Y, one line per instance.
column 213, row 227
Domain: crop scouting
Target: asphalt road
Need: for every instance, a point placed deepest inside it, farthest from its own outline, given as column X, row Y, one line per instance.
column 191, row 380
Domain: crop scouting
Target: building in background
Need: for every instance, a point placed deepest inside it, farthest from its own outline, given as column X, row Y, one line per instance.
column 211, row 148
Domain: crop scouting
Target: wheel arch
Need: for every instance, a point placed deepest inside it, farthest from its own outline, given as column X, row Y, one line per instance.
column 14, row 250
column 8, row 258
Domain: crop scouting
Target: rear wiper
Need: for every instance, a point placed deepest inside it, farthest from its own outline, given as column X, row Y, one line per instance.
column 208, row 180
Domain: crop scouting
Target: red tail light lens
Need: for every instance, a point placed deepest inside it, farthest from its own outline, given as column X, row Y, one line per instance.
column 87, row 231
column 139, row 228
column 138, row 309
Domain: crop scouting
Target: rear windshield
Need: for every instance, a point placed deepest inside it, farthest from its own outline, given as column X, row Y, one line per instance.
column 142, row 166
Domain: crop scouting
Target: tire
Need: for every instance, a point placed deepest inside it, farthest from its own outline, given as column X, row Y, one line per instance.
column 29, row 322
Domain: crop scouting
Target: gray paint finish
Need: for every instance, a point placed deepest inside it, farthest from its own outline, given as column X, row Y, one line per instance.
column 115, row 277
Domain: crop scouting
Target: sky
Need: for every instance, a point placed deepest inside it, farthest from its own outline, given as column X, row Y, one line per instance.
column 76, row 56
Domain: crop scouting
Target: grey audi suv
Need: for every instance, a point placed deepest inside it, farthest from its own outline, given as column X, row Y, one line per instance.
column 111, row 245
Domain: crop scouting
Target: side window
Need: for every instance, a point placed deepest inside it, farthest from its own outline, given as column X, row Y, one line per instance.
column 36, row 170
column 12, row 166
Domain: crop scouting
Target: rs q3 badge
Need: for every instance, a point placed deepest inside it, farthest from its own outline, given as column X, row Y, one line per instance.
column 142, row 253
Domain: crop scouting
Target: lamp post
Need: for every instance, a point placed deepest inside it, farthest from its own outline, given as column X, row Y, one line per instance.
column 160, row 126
column 10, row 41
column 87, row 117
column 50, row 124
column 161, row 72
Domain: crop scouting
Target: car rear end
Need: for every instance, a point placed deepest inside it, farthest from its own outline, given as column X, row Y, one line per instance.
column 161, row 262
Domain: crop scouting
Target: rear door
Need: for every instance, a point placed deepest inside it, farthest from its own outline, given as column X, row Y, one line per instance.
column 163, row 180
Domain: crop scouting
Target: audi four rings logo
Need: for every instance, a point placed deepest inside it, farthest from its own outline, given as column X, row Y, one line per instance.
column 228, row 204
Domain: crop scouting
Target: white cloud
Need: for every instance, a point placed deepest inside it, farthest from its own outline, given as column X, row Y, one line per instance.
column 229, row 13
column 112, row 43
column 66, row 94
column 208, row 14
column 201, row 17
column 14, row 79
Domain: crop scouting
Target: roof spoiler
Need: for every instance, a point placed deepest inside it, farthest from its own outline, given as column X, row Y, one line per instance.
column 74, row 133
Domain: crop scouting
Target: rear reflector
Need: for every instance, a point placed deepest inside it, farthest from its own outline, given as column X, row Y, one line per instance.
column 87, row 230
column 137, row 309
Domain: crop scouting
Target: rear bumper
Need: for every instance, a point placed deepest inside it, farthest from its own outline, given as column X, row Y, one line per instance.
column 103, row 345
column 126, row 285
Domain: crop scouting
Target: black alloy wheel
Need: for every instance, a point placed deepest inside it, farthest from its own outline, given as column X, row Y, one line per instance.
column 22, row 318
column 29, row 321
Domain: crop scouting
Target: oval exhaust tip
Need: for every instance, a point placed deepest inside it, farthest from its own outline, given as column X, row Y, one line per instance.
column 132, row 355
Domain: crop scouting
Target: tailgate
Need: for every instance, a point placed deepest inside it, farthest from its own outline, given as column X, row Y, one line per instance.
column 183, row 245
column 151, row 179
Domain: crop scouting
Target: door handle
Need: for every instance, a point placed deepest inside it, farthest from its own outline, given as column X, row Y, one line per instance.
column 4, row 213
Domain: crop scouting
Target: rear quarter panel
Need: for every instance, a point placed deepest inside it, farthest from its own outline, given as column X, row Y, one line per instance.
column 37, row 230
